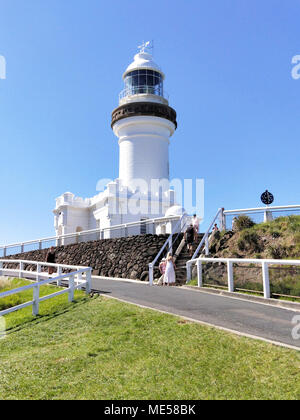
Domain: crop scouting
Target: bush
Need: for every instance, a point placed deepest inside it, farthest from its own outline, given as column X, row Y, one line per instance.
column 249, row 241
column 276, row 252
column 243, row 222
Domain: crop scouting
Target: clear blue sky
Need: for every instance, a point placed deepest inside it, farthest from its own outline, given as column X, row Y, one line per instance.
column 228, row 74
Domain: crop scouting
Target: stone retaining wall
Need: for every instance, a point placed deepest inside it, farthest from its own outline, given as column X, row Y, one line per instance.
column 123, row 257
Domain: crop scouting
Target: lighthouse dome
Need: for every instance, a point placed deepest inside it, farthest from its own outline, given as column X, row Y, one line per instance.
column 143, row 61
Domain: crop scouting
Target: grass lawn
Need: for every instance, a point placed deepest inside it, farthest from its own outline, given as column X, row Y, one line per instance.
column 47, row 308
column 99, row 348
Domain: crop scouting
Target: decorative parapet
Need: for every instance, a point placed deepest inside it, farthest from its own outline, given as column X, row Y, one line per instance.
column 144, row 108
column 69, row 199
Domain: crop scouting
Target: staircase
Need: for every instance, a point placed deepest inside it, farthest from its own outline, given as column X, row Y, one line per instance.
column 183, row 258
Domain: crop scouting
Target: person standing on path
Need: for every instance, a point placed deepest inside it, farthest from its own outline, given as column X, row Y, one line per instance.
column 51, row 259
column 189, row 237
column 162, row 269
column 170, row 277
column 195, row 223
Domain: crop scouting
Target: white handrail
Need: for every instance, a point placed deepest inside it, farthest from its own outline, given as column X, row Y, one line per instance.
column 86, row 232
column 205, row 239
column 266, row 208
column 230, row 261
column 168, row 241
column 73, row 285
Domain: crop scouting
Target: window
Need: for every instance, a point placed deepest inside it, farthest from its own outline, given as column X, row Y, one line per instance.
column 143, row 81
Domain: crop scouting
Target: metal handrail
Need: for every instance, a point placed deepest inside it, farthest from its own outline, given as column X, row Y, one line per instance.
column 266, row 208
column 168, row 241
column 206, row 235
column 86, row 232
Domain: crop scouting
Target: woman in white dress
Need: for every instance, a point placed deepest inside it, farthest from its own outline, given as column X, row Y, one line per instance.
column 170, row 277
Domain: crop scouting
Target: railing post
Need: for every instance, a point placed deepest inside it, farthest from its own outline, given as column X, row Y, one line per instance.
column 1, row 267
column 150, row 274
column 71, row 287
column 266, row 280
column 222, row 219
column 38, row 270
column 206, row 245
column 88, row 286
column 188, row 272
column 40, row 245
column 59, row 273
column 22, row 248
column 199, row 273
column 126, row 231
column 21, row 269
column 4, row 252
column 79, row 277
column 230, row 276
column 170, row 243
column 36, row 300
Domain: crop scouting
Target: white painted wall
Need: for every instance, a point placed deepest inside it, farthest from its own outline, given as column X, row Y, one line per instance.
column 144, row 148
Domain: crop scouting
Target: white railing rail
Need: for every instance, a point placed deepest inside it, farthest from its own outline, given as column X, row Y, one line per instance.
column 75, row 281
column 205, row 241
column 263, row 214
column 266, row 208
column 264, row 263
column 122, row 228
column 169, row 242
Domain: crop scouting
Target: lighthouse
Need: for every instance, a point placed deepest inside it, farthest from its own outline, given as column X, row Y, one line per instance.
column 143, row 123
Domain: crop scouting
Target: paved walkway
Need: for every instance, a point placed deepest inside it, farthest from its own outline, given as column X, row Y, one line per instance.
column 249, row 318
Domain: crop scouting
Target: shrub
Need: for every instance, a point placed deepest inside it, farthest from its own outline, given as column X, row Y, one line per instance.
column 276, row 235
column 276, row 251
column 243, row 222
column 249, row 241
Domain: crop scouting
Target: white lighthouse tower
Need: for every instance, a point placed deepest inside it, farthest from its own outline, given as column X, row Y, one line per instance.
column 144, row 123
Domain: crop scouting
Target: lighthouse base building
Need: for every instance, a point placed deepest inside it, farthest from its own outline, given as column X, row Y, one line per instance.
column 143, row 123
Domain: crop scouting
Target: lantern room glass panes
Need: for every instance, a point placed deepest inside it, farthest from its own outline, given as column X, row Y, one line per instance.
column 143, row 81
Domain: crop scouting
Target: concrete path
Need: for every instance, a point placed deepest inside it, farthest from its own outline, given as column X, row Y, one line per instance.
column 240, row 316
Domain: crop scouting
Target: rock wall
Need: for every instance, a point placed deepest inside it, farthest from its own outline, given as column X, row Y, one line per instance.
column 123, row 257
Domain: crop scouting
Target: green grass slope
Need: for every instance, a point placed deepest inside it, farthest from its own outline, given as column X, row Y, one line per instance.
column 279, row 239
column 100, row 348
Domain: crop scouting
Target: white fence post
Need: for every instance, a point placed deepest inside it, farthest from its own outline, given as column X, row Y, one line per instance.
column 4, row 252
column 38, row 271
column 88, row 286
column 199, row 273
column 59, row 273
column 36, row 300
column 71, row 287
column 266, row 280
column 22, row 248
column 230, row 276
column 188, row 272
column 1, row 266
column 21, row 269
column 150, row 274
column 79, row 277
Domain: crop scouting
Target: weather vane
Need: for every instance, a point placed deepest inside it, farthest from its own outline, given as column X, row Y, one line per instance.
column 145, row 46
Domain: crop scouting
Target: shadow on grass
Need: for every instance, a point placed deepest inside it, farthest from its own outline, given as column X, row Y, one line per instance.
column 46, row 317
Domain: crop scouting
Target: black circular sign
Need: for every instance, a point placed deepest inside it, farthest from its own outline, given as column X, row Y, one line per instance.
column 267, row 198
